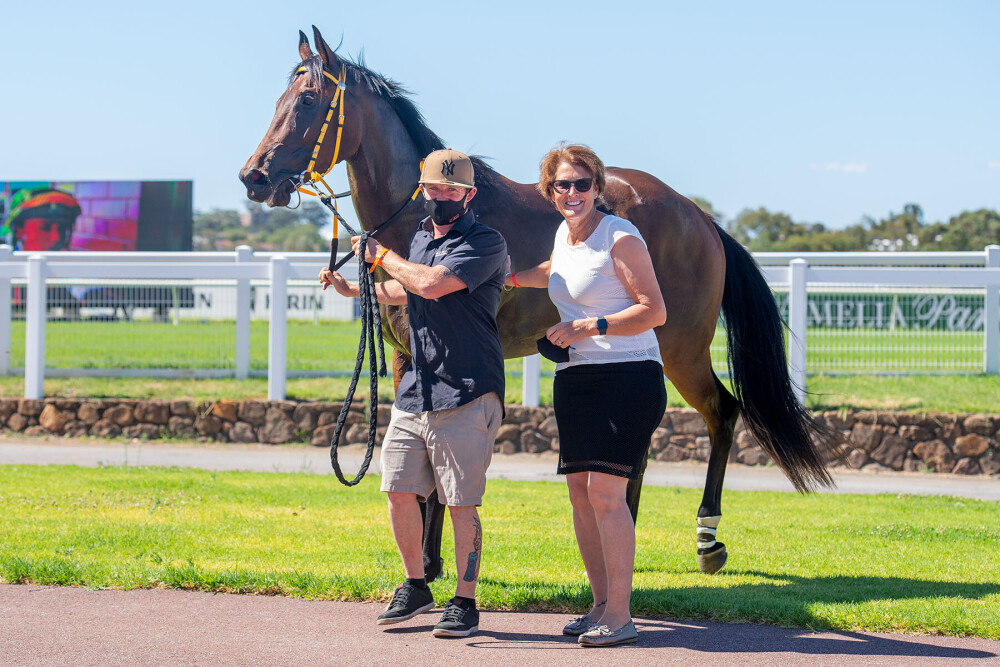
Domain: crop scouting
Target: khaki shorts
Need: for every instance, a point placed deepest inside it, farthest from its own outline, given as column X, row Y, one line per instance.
column 446, row 449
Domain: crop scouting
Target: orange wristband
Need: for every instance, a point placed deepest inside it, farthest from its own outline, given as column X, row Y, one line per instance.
column 378, row 259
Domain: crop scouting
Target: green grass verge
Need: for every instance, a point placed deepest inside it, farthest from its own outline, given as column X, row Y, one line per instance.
column 875, row 563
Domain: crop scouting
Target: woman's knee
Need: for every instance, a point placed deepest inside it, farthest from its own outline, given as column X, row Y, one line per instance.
column 606, row 492
column 576, row 483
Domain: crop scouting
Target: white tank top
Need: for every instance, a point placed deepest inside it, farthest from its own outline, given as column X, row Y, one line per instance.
column 583, row 283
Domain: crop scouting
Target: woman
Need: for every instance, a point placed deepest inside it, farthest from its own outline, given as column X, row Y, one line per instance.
column 610, row 395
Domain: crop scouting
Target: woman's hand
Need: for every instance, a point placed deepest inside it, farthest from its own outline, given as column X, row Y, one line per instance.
column 565, row 334
column 344, row 288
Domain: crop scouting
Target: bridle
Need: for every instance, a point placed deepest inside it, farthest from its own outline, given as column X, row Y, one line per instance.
column 309, row 181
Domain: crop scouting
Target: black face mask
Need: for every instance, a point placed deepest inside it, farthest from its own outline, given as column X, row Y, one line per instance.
column 444, row 212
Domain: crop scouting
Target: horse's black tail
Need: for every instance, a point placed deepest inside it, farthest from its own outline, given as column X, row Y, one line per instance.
column 758, row 368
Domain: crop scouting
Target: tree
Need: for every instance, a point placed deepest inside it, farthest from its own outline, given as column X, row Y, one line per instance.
column 263, row 228
column 969, row 230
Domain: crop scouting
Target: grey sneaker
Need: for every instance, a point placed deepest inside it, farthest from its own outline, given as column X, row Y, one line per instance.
column 601, row 635
column 407, row 602
column 578, row 626
column 456, row 621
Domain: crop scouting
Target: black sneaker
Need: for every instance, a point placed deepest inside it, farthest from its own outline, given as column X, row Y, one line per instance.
column 456, row 621
column 407, row 602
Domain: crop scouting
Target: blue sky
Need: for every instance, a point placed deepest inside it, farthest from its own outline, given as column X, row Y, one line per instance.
column 825, row 111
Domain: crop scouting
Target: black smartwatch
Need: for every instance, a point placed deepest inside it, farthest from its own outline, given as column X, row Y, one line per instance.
column 602, row 326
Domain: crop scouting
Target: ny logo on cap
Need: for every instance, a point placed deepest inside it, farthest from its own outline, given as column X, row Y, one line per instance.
column 448, row 167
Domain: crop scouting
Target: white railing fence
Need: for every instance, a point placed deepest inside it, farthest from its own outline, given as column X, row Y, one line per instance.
column 863, row 312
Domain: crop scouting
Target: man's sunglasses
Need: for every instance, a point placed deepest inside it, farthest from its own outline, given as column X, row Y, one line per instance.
column 581, row 185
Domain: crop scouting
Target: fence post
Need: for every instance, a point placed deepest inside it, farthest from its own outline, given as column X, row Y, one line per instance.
column 34, row 330
column 4, row 315
column 531, row 379
column 991, row 322
column 277, row 356
column 243, row 255
column 797, row 321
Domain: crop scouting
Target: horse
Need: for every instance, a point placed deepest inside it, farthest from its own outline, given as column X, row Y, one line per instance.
column 701, row 270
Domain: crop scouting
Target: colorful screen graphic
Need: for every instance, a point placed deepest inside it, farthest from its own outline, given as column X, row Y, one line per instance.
column 96, row 215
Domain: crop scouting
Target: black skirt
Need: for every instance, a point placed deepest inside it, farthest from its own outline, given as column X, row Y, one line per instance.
column 606, row 414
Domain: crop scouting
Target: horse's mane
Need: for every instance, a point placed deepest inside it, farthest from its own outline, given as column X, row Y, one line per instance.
column 393, row 93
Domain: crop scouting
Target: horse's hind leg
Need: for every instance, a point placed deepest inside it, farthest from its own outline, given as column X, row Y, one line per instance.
column 699, row 386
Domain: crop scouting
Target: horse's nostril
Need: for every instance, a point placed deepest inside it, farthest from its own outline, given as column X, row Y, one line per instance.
column 257, row 177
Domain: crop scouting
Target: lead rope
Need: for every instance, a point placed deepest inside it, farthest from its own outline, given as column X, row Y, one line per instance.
column 371, row 328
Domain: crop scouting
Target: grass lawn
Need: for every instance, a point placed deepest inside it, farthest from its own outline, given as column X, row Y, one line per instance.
column 876, row 563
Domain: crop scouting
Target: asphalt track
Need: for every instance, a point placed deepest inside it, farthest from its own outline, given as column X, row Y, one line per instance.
column 54, row 625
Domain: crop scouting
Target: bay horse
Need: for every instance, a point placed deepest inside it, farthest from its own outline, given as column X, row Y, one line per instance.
column 382, row 137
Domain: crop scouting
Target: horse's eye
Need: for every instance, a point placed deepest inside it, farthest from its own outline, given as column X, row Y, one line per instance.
column 308, row 99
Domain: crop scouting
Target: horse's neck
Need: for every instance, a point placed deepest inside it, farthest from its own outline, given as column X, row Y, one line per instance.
column 383, row 174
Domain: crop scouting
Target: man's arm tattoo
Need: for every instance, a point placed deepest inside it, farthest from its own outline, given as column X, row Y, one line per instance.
column 446, row 272
column 477, row 547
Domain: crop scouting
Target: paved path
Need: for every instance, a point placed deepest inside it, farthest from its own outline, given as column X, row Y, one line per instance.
column 74, row 626
column 541, row 467
column 45, row 625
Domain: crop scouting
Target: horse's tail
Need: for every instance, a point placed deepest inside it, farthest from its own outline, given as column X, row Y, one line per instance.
column 758, row 368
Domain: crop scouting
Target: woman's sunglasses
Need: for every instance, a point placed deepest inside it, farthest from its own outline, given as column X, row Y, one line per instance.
column 580, row 184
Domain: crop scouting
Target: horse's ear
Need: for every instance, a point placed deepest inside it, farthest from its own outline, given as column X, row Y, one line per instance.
column 327, row 54
column 304, row 51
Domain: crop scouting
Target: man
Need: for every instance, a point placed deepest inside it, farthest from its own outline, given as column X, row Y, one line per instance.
column 448, row 406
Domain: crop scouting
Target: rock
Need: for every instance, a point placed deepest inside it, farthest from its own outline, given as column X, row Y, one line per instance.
column 207, row 424
column 970, row 445
column 384, row 413
column 752, row 457
column 277, row 428
column 75, row 429
column 142, row 431
column 35, row 431
column 181, row 427
column 89, row 413
column 505, row 447
column 252, row 412
column 866, row 436
column 554, row 444
column 659, row 441
column 304, row 417
column 839, row 420
column 105, row 428
column 990, row 463
column 548, row 427
column 225, row 410
column 891, row 452
column 534, row 442
column 935, row 454
column 877, row 467
column 857, row 458
column 685, row 441
column 181, row 409
column 53, row 419
column 744, row 440
column 913, row 464
column 152, row 412
column 17, row 422
column 978, row 424
column 509, row 432
column 672, row 453
column 326, row 418
column 322, row 436
column 120, row 414
column 966, row 466
column 688, row 422
column 8, row 406
column 242, row 432
column 517, row 415
column 702, row 448
column 915, row 433
column 949, row 428
column 355, row 433
column 30, row 407
column 285, row 406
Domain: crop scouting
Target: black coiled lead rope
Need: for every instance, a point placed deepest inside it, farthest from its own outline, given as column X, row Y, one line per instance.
column 371, row 329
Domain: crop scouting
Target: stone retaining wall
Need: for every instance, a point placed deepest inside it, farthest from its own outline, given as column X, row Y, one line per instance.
column 962, row 444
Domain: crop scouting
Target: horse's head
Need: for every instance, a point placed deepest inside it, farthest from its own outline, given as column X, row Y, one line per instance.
column 303, row 112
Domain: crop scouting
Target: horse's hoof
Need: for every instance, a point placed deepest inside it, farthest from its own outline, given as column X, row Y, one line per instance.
column 433, row 571
column 712, row 561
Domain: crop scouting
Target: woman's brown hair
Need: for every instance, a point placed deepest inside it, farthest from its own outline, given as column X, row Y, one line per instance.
column 575, row 154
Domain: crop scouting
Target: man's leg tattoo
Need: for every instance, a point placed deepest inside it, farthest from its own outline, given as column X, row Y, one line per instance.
column 477, row 547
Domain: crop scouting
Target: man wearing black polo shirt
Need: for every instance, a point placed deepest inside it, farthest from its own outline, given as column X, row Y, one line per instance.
column 448, row 406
